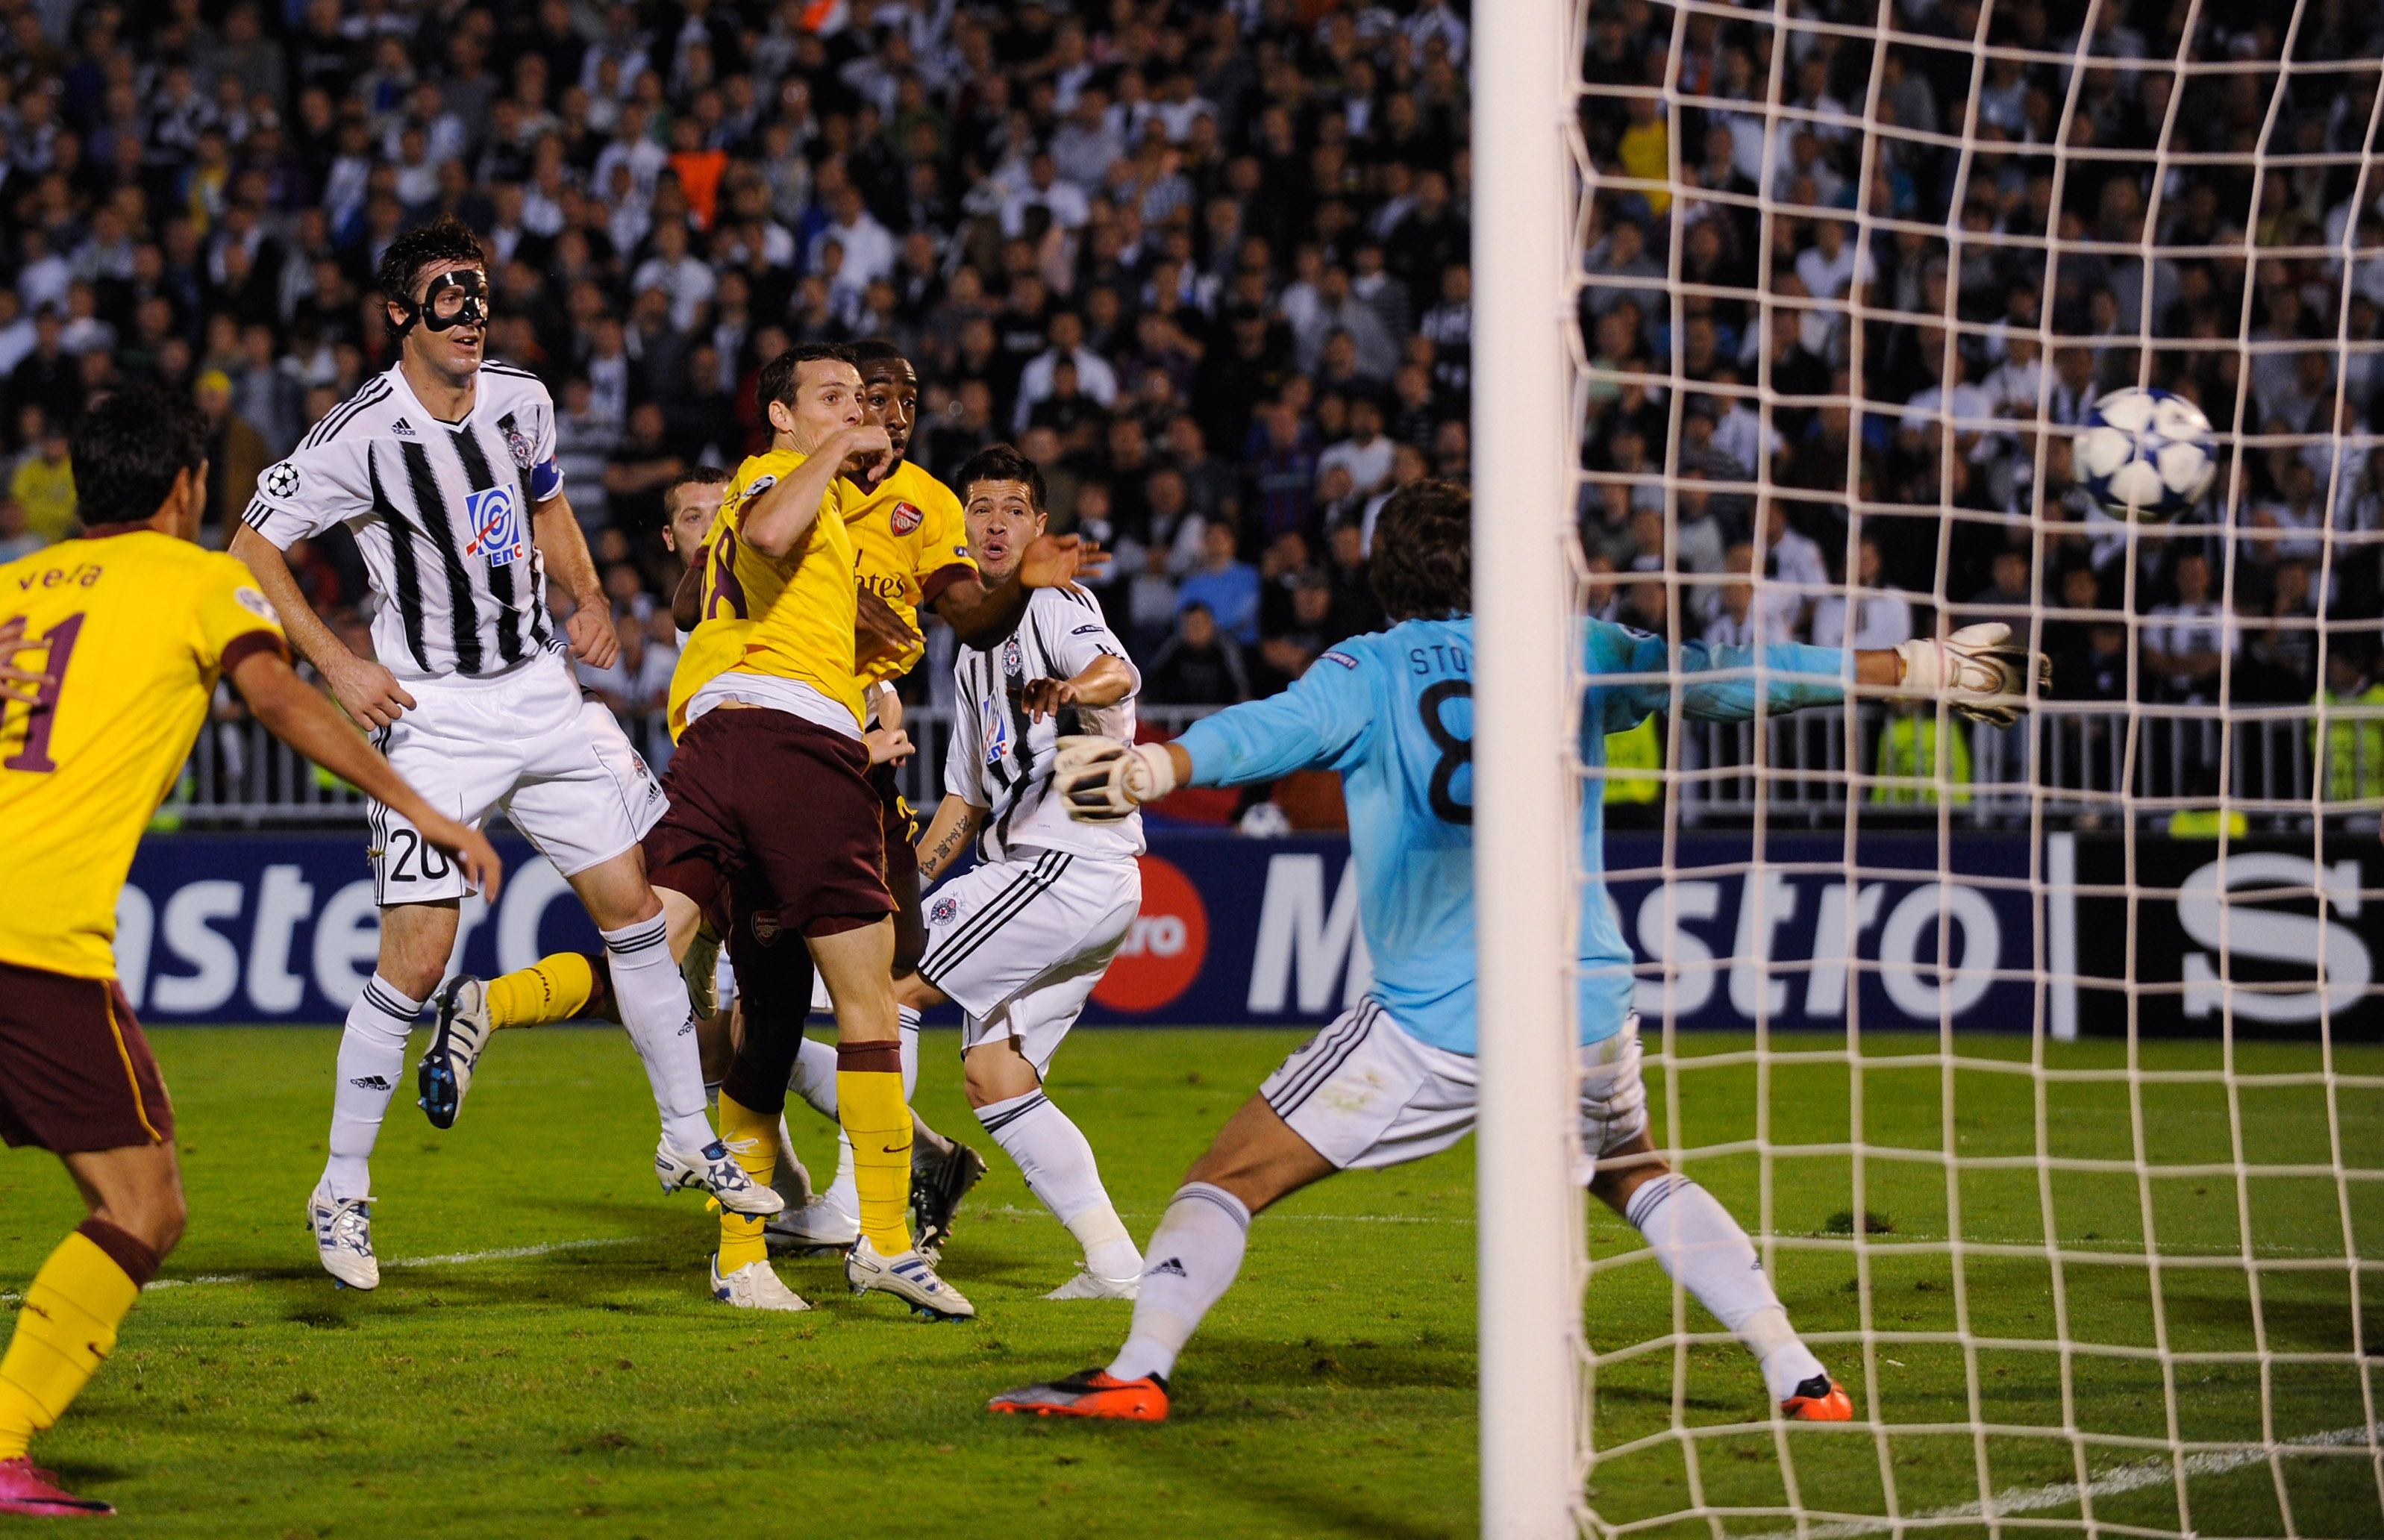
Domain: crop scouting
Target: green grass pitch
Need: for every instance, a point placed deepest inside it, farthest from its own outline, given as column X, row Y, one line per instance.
column 585, row 1385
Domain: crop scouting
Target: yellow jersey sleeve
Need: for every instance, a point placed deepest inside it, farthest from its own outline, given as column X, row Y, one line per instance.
column 231, row 616
column 789, row 617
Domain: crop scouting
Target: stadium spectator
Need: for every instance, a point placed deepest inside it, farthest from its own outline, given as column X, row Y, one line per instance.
column 1200, row 666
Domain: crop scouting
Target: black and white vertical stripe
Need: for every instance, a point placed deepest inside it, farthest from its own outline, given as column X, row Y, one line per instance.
column 1018, row 781
column 405, row 484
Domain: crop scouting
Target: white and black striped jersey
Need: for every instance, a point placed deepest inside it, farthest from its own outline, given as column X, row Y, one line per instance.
column 441, row 512
column 1001, row 759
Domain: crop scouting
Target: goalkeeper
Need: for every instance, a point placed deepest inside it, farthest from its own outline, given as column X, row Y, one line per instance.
column 1393, row 1080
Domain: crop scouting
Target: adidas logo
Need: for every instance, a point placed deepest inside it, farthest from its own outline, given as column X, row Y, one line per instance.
column 400, row 428
column 1173, row 1266
column 369, row 1083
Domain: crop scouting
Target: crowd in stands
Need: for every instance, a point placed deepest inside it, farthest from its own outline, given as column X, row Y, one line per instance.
column 1872, row 248
column 1208, row 267
column 1205, row 265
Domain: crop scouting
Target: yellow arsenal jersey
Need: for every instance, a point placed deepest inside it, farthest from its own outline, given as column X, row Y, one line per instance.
column 788, row 618
column 133, row 631
column 908, row 545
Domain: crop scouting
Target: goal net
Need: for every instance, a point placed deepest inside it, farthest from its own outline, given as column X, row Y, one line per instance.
column 2040, row 1061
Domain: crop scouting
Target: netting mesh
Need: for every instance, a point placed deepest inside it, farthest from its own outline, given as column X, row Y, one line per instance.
column 2045, row 1079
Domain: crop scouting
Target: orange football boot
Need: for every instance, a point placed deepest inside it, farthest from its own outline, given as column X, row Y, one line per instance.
column 1089, row 1393
column 1819, row 1399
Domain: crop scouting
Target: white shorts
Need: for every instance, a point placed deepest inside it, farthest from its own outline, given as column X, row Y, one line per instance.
column 1363, row 1093
column 558, row 764
column 1019, row 944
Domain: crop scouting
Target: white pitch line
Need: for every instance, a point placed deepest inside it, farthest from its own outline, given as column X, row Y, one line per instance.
column 2158, row 1471
column 452, row 1258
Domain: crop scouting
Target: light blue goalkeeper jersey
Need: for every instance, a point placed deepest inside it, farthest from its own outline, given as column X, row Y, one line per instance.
column 1393, row 711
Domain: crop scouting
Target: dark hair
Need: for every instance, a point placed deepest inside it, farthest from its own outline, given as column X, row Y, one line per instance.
column 1000, row 462
column 781, row 375
column 876, row 349
column 127, row 449
column 445, row 239
column 1422, row 566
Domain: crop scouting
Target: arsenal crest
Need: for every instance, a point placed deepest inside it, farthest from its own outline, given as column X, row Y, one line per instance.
column 906, row 518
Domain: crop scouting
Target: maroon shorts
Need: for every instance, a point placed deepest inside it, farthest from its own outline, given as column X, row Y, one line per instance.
column 763, row 794
column 75, row 1072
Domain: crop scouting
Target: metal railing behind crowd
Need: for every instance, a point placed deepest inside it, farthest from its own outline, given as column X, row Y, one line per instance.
column 240, row 776
column 2080, row 763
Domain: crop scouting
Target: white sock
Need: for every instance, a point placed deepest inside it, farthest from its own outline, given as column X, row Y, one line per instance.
column 815, row 1077
column 844, row 1192
column 906, row 1031
column 1193, row 1254
column 372, row 1061
column 660, row 1021
column 1699, row 1244
column 1058, row 1164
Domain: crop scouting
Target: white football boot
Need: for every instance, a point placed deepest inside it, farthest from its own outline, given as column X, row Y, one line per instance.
column 712, row 1170
column 818, row 1225
column 459, row 1033
column 1089, row 1284
column 910, row 1278
column 754, row 1286
column 343, row 1238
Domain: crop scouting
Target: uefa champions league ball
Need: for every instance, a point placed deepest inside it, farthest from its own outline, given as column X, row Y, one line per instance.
column 2147, row 454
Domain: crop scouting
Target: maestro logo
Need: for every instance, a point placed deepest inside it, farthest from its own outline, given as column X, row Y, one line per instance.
column 1165, row 947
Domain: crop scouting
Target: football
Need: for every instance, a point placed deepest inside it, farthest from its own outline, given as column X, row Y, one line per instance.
column 2147, row 454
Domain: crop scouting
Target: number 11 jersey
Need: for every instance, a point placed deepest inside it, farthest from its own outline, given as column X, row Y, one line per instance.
column 132, row 631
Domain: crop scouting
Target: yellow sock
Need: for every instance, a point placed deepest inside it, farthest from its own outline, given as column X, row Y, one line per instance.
column 550, row 989
column 869, row 1104
column 64, row 1334
column 753, row 1138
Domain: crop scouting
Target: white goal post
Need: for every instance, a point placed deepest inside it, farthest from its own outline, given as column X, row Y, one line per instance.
column 1526, row 257
column 2080, row 1187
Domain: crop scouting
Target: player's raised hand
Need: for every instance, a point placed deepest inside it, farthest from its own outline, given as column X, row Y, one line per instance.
column 1045, row 697
column 473, row 853
column 18, row 684
column 1978, row 671
column 878, row 633
column 368, row 692
column 1103, row 780
column 869, row 454
column 1053, row 561
column 593, row 640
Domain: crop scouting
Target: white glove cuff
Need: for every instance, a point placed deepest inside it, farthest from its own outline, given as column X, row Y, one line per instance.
column 1924, row 666
column 1150, row 772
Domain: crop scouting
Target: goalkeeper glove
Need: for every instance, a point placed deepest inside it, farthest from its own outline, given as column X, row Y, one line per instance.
column 1978, row 671
column 1103, row 780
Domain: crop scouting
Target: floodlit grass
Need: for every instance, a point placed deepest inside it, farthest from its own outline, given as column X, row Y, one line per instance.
column 588, row 1387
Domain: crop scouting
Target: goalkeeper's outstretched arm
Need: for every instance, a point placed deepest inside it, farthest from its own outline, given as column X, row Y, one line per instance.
column 1978, row 672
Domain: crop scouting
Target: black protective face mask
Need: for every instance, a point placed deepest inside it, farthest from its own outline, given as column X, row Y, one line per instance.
column 473, row 310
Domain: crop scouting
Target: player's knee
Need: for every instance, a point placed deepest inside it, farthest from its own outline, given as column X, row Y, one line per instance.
column 996, row 1072
column 153, row 1215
